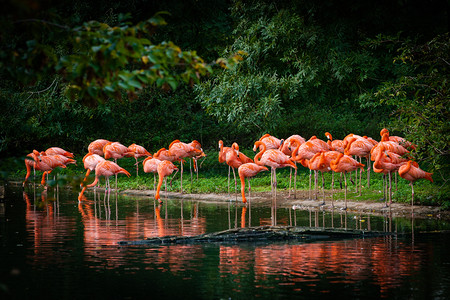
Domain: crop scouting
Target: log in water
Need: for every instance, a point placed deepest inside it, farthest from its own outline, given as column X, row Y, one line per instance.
column 261, row 233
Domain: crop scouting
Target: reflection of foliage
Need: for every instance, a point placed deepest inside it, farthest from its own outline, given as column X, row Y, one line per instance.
column 420, row 99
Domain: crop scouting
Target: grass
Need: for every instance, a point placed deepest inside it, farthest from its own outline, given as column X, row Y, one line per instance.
column 212, row 178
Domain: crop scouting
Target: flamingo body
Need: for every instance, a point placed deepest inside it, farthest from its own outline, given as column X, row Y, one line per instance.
column 96, row 147
column 107, row 169
column 116, row 150
column 57, row 150
column 248, row 170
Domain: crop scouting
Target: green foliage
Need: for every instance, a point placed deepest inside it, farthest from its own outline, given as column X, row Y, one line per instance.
column 292, row 67
column 106, row 60
column 419, row 99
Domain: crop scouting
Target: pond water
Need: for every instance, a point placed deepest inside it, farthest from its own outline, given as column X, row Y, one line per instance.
column 54, row 246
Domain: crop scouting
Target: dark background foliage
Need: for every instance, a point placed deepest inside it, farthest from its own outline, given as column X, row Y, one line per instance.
column 310, row 67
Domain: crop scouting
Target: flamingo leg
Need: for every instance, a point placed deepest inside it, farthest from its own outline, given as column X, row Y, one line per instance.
column 390, row 189
column 395, row 174
column 170, row 183
column 290, row 180
column 235, row 183
column 323, row 190
column 182, row 176
column 360, row 178
column 368, row 171
column 332, row 189
column 345, row 183
column 165, row 185
column 309, row 194
column 229, row 171
column 115, row 160
column 137, row 167
column 295, row 182
column 316, row 184
column 190, row 171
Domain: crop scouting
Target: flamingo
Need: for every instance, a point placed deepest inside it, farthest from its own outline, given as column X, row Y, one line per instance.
column 163, row 154
column 270, row 141
column 335, row 145
column 29, row 163
column 57, row 150
column 96, row 147
column 348, row 137
column 234, row 159
column 138, row 151
column 388, row 145
column 182, row 150
column 248, row 170
column 116, row 150
column 273, row 158
column 307, row 150
column 107, row 168
column 164, row 169
column 411, row 172
column 47, row 163
column 344, row 164
column 291, row 143
column 398, row 139
column 90, row 161
column 222, row 158
column 150, row 165
column 387, row 162
column 360, row 147
column 320, row 162
column 198, row 146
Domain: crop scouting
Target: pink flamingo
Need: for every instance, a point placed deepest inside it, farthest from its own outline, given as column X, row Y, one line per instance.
column 387, row 162
column 107, row 169
column 360, row 147
column 138, row 151
column 234, row 159
column 287, row 148
column 270, row 141
column 411, row 172
column 182, row 150
column 150, row 165
column 306, row 151
column 47, row 163
column 344, row 164
column 248, row 170
column 273, row 158
column 96, row 147
column 165, row 168
column 57, row 150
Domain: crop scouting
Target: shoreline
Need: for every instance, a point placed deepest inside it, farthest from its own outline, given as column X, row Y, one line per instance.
column 376, row 208
column 302, row 202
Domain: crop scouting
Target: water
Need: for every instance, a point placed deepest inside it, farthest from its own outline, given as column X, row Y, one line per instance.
column 53, row 246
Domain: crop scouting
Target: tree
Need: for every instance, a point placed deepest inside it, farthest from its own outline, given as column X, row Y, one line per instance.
column 106, row 60
column 420, row 98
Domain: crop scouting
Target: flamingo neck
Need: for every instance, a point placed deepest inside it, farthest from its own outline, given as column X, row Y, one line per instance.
column 257, row 158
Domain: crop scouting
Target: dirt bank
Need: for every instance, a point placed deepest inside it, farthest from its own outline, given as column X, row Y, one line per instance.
column 302, row 202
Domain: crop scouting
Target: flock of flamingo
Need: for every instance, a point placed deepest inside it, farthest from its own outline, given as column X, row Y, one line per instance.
column 389, row 156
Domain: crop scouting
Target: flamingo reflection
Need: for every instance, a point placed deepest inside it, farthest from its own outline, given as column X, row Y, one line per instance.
column 349, row 261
